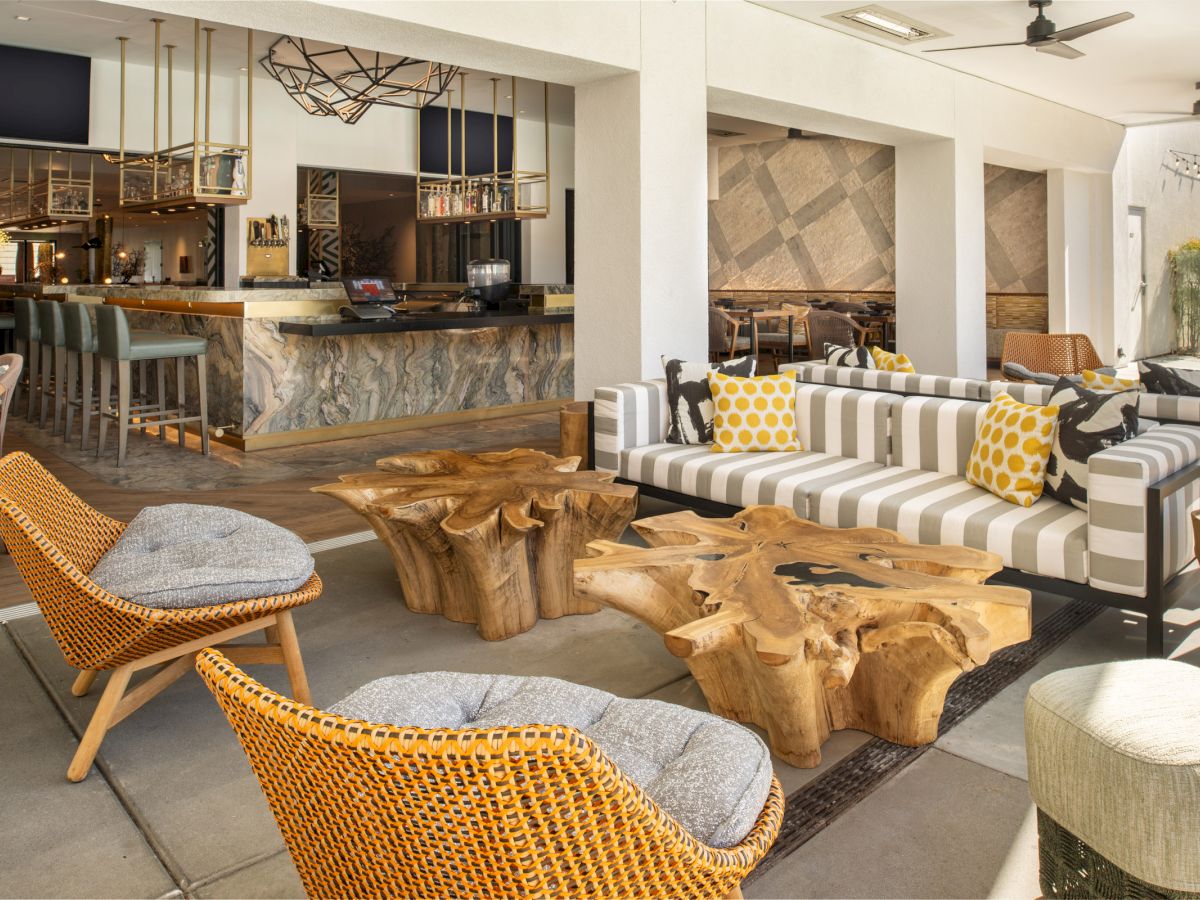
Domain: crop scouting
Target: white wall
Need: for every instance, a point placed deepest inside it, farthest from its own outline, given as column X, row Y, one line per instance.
column 1144, row 177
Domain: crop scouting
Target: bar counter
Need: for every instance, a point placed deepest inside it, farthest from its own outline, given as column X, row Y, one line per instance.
column 285, row 369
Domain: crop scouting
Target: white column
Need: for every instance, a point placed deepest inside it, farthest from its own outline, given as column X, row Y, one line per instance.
column 1079, row 257
column 641, row 229
column 940, row 264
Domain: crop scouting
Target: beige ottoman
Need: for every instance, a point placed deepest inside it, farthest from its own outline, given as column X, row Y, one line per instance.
column 1114, row 768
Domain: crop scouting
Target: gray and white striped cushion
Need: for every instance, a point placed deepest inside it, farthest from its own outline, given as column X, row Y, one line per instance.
column 934, row 434
column 628, row 415
column 880, row 380
column 1034, row 394
column 1117, row 482
column 739, row 479
column 1169, row 406
column 844, row 421
column 1048, row 538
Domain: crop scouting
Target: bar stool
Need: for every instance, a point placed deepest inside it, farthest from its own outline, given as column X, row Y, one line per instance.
column 82, row 349
column 8, row 323
column 27, row 337
column 119, row 347
column 53, row 343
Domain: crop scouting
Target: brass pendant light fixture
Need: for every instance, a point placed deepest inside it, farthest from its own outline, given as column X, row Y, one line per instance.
column 514, row 193
column 201, row 172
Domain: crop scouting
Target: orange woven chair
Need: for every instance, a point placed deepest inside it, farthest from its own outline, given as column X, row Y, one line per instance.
column 1058, row 354
column 55, row 539
column 383, row 811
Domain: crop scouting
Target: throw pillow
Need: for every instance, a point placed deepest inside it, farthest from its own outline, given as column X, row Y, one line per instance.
column 1163, row 380
column 689, row 398
column 1011, row 449
column 1103, row 381
column 754, row 413
column 891, row 362
column 1088, row 422
column 183, row 555
column 853, row 357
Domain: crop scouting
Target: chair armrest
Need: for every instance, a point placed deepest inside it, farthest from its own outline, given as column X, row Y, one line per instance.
column 626, row 416
column 1119, row 508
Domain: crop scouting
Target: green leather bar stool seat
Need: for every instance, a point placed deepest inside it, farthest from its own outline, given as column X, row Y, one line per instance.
column 159, row 345
column 120, row 346
column 53, row 343
column 26, row 338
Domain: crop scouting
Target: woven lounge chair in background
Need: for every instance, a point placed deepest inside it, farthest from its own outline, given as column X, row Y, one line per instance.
column 530, row 811
column 723, row 340
column 825, row 327
column 55, row 540
column 10, row 376
column 1058, row 354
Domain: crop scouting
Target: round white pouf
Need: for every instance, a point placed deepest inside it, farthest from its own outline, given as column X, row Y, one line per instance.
column 1114, row 768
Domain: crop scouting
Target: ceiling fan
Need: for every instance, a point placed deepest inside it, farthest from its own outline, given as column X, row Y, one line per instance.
column 1043, row 37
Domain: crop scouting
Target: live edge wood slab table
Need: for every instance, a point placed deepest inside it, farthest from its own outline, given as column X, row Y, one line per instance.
column 804, row 630
column 488, row 538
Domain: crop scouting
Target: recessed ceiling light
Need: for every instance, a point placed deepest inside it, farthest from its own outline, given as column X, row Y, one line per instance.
column 243, row 69
column 879, row 21
column 21, row 18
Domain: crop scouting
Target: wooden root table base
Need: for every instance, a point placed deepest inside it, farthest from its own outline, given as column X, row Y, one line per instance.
column 488, row 538
column 804, row 629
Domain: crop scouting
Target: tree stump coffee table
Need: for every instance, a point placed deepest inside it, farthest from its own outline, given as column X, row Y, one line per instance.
column 488, row 538
column 804, row 630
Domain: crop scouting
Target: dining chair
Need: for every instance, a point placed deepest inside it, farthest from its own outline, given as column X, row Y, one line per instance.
column 827, row 327
column 1058, row 354
column 776, row 340
column 723, row 339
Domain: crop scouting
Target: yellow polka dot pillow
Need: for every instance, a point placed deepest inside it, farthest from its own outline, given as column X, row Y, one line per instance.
column 1098, row 381
column 754, row 413
column 1011, row 448
column 892, row 362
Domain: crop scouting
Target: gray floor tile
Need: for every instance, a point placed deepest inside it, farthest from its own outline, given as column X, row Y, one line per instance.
column 59, row 839
column 943, row 827
column 270, row 878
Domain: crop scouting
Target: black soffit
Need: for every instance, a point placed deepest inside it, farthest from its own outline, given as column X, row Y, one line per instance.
column 334, row 80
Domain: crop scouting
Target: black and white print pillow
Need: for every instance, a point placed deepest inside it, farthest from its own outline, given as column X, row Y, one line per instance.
column 690, row 409
column 1163, row 380
column 1088, row 422
column 854, row 357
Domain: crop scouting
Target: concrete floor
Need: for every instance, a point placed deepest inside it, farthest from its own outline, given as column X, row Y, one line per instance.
column 177, row 810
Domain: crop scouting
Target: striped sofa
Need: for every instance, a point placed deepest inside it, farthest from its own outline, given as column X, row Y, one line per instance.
column 1158, row 407
column 875, row 458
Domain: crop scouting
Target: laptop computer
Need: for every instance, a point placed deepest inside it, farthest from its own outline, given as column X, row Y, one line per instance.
column 370, row 297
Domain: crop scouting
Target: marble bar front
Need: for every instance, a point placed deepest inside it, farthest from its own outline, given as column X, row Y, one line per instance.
column 285, row 369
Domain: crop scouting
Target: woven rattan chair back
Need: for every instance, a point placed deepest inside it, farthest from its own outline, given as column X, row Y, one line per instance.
column 722, row 331
column 11, row 364
column 387, row 811
column 825, row 327
column 1058, row 354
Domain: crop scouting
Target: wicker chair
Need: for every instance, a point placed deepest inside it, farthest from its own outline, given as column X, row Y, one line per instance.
column 723, row 340
column 55, row 539
column 776, row 340
column 387, row 811
column 1058, row 354
column 825, row 327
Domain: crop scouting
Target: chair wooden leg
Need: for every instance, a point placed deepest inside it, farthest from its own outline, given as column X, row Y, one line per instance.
column 160, row 370
column 202, row 395
column 31, row 361
column 47, row 363
column 87, row 373
column 105, row 395
column 19, row 349
column 60, row 387
column 83, row 683
column 123, row 386
column 735, row 893
column 180, row 381
column 291, row 656
column 72, row 388
column 98, row 727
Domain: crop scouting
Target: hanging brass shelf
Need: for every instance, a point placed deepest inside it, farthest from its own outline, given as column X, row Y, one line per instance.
column 49, row 196
column 511, row 194
column 321, row 209
column 201, row 172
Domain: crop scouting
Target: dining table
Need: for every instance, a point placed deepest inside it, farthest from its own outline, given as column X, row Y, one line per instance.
column 753, row 315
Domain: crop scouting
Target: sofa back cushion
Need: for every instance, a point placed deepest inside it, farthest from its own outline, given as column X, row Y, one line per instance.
column 882, row 380
column 843, row 421
column 1023, row 392
column 934, row 433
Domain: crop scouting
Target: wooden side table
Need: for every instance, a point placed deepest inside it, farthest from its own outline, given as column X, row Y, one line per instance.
column 804, row 629
column 488, row 538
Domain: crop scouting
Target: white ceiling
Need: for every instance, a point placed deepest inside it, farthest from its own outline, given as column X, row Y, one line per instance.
column 1137, row 72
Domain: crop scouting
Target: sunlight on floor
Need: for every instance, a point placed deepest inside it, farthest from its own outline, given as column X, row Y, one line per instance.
column 1013, row 879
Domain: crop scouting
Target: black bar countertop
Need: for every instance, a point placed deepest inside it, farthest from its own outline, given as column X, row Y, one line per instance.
column 332, row 326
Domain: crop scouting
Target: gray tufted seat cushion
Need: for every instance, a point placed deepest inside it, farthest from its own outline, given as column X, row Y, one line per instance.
column 711, row 775
column 183, row 555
